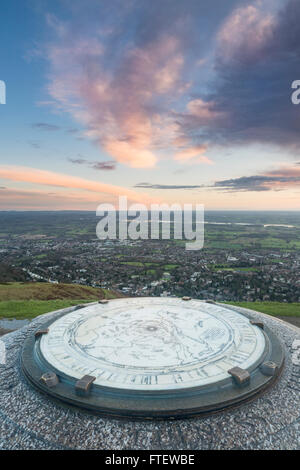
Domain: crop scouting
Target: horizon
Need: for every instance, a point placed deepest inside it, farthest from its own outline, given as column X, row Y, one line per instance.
column 295, row 211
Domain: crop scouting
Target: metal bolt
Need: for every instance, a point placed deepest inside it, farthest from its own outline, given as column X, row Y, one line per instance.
column 50, row 379
column 257, row 323
column 83, row 385
column 39, row 333
column 240, row 376
column 269, row 368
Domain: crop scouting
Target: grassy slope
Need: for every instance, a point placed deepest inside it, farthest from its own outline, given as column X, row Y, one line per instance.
column 28, row 300
column 276, row 309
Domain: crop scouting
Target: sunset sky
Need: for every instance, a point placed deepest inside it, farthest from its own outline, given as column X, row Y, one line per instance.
column 159, row 100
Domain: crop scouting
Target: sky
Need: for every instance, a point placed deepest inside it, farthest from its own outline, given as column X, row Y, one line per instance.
column 160, row 101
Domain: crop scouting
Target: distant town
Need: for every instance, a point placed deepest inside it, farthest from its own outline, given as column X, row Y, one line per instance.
column 242, row 267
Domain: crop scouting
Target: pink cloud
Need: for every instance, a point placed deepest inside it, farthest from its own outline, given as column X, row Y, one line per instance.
column 287, row 176
column 203, row 111
column 15, row 198
column 286, row 170
column 246, row 33
column 117, row 108
column 192, row 153
column 49, row 178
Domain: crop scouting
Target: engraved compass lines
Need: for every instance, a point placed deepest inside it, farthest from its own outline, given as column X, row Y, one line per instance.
column 152, row 343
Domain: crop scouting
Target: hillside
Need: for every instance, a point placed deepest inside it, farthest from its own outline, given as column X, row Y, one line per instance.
column 12, row 273
column 30, row 299
column 47, row 291
column 26, row 300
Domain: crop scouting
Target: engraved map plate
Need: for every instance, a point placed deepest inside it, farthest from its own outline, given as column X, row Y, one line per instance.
column 153, row 357
column 152, row 344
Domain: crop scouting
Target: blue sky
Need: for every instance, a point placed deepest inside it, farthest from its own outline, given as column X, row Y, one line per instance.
column 163, row 101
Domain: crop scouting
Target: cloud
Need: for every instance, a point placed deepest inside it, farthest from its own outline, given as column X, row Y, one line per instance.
column 246, row 35
column 45, row 126
column 72, row 130
column 49, row 178
column 15, row 199
column 142, row 78
column 248, row 97
column 78, row 161
column 116, row 109
column 192, row 153
column 126, row 71
column 257, row 58
column 246, row 183
column 33, row 144
column 103, row 165
column 276, row 180
column 108, row 165
column 167, row 186
column 282, row 178
column 53, row 127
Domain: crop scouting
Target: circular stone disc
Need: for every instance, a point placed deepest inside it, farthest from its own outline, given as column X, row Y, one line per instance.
column 152, row 343
column 152, row 357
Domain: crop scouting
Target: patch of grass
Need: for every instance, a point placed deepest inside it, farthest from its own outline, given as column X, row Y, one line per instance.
column 133, row 263
column 30, row 299
column 276, row 309
column 170, row 266
column 29, row 309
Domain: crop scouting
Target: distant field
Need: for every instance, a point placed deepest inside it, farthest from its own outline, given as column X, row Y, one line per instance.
column 276, row 309
column 28, row 300
column 224, row 268
column 76, row 225
column 154, row 265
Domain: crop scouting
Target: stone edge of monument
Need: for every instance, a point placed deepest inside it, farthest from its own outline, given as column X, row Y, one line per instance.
column 147, row 405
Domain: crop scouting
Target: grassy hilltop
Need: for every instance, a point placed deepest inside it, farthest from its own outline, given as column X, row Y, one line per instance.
column 29, row 299
column 276, row 309
column 22, row 300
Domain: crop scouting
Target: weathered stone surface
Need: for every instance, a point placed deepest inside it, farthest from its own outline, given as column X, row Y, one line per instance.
column 29, row 420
